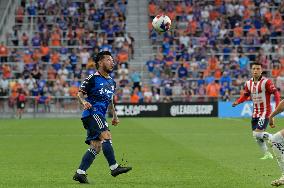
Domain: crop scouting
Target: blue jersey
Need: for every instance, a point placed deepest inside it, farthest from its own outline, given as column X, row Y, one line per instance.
column 99, row 91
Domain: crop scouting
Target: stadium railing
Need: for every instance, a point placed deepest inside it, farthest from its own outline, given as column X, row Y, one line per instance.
column 52, row 104
column 5, row 16
column 68, row 104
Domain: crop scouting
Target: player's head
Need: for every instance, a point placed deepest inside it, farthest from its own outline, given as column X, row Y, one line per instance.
column 256, row 69
column 104, row 61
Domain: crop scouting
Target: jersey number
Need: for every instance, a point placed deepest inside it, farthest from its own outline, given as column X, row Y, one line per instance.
column 260, row 122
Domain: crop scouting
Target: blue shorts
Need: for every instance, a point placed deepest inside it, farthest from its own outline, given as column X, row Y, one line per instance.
column 95, row 125
column 259, row 123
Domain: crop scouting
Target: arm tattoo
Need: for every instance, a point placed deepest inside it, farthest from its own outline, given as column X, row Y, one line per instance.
column 80, row 97
column 113, row 109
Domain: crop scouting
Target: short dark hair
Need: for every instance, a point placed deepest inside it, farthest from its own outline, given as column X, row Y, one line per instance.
column 255, row 63
column 100, row 56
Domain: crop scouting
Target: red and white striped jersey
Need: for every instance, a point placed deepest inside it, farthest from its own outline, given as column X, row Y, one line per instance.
column 260, row 93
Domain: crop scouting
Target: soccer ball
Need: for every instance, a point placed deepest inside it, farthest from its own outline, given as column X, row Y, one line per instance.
column 161, row 23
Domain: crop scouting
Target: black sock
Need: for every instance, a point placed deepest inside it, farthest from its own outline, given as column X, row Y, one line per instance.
column 88, row 159
column 108, row 152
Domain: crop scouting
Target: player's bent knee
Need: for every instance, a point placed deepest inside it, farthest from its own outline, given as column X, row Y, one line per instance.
column 97, row 145
column 257, row 134
column 106, row 135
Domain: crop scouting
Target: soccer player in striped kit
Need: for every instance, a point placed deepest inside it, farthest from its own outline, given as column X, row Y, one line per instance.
column 277, row 144
column 259, row 89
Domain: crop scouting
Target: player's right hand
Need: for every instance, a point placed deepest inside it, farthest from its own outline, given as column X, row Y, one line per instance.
column 271, row 122
column 86, row 105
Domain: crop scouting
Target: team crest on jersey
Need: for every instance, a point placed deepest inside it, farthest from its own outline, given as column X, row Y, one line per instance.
column 105, row 91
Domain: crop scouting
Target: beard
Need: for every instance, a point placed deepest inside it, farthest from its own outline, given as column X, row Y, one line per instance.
column 107, row 70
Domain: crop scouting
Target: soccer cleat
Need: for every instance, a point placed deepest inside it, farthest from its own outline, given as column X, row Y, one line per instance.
column 120, row 170
column 82, row 178
column 267, row 155
column 266, row 136
column 278, row 182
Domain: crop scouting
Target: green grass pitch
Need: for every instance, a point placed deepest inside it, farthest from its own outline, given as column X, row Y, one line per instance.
column 164, row 152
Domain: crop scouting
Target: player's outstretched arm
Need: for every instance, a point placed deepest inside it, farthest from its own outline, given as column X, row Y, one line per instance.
column 235, row 104
column 115, row 120
column 243, row 97
column 279, row 109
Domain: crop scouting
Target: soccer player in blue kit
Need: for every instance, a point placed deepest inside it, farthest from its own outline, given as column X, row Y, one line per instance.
column 99, row 89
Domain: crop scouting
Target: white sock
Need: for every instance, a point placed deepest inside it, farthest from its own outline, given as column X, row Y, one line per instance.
column 112, row 167
column 278, row 149
column 260, row 140
column 262, row 144
column 79, row 171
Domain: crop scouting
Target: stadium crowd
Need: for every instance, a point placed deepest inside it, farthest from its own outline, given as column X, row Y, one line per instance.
column 52, row 45
column 206, row 54
column 211, row 44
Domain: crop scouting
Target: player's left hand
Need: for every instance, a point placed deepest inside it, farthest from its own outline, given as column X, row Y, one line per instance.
column 115, row 121
column 235, row 104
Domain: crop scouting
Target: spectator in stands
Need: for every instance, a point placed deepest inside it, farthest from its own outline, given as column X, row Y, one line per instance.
column 226, row 78
column 51, row 73
column 150, row 64
column 2, row 100
column 126, row 93
column 212, row 90
column 21, row 100
column 35, row 91
column 243, row 62
column 134, row 98
column 63, row 53
column 135, row 78
column 182, row 72
column 210, row 78
column 6, row 71
column 276, row 70
column 55, row 59
column 25, row 39
column 147, row 94
column 20, row 13
column 55, row 38
column 223, row 88
column 36, row 41
column 31, row 8
column 73, row 58
column 37, row 73
column 131, row 42
column 178, row 90
column 44, row 52
column 84, row 57
column 123, row 81
column 43, row 99
column 4, row 85
column 4, row 53
column 63, row 73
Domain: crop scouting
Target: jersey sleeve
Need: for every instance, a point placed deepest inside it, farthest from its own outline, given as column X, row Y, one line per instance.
column 245, row 95
column 270, row 88
column 86, row 85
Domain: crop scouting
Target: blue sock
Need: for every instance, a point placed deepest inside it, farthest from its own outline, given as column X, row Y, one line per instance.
column 88, row 159
column 108, row 152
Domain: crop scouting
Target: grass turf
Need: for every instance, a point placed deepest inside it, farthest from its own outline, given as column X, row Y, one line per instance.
column 164, row 152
